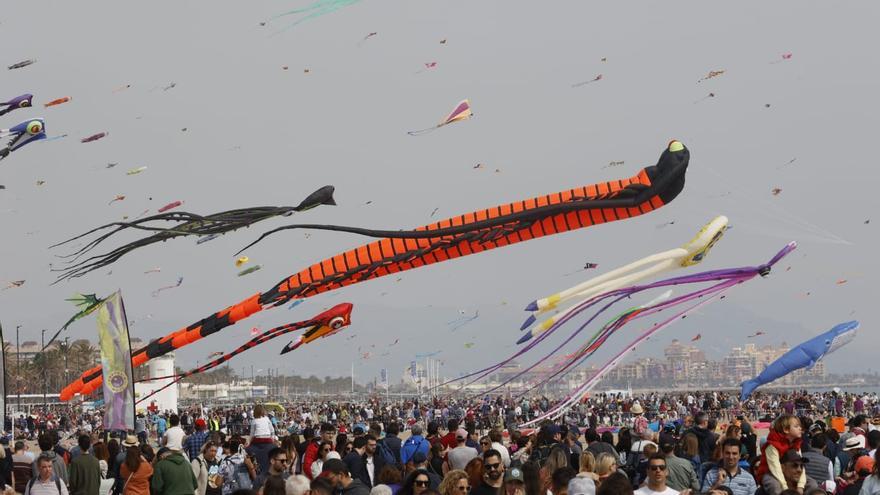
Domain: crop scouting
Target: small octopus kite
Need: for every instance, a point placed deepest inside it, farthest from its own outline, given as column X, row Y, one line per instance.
column 191, row 224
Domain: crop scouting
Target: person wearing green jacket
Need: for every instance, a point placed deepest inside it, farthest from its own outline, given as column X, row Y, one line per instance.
column 173, row 475
column 84, row 472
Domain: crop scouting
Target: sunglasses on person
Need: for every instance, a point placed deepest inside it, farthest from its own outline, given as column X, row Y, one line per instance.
column 485, row 443
column 464, row 488
column 657, row 467
column 281, row 459
column 422, row 483
column 493, row 467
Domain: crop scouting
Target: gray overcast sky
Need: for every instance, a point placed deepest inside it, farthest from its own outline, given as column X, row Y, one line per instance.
column 260, row 135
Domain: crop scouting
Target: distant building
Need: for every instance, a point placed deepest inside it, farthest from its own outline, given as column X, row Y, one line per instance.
column 242, row 390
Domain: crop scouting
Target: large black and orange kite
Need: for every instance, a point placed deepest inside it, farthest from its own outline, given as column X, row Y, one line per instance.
column 652, row 188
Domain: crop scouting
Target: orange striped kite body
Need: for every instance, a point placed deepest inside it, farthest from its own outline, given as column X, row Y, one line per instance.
column 397, row 251
column 373, row 260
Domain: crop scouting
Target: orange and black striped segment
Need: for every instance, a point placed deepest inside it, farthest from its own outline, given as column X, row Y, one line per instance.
column 397, row 251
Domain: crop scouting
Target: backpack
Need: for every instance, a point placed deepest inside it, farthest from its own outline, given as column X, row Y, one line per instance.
column 235, row 475
column 409, row 441
column 387, row 455
column 34, row 480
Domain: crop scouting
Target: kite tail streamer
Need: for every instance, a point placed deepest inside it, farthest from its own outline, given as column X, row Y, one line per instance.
column 421, row 132
column 739, row 276
column 574, row 397
column 324, row 324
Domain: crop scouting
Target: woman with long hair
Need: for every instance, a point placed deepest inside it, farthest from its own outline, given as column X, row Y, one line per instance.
column 435, row 463
column 733, row 431
column 391, row 477
column 455, row 483
column 415, row 483
column 587, row 465
column 474, row 470
column 532, row 478
column 99, row 450
column 325, row 451
column 690, row 450
column 288, row 443
column 136, row 471
column 606, row 465
column 624, row 444
column 555, row 460
column 341, row 441
column 113, row 451
column 262, row 437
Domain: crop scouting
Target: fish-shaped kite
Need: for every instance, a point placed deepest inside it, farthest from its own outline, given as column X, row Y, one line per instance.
column 23, row 63
column 57, row 101
column 22, row 101
column 24, row 133
column 462, row 112
column 805, row 355
column 170, row 206
column 94, row 137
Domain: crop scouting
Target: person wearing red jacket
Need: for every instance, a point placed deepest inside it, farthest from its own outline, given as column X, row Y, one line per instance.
column 311, row 454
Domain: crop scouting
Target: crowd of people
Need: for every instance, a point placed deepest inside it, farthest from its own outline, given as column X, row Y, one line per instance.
column 648, row 445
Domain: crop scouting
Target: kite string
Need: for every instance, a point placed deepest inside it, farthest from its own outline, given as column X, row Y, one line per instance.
column 792, row 219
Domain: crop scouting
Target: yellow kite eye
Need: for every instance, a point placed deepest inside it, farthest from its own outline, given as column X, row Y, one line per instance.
column 24, row 103
column 336, row 323
column 35, row 127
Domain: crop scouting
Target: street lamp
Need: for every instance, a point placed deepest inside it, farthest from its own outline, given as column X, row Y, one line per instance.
column 43, row 355
column 18, row 367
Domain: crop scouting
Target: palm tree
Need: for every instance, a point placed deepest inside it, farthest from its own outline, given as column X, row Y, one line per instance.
column 82, row 356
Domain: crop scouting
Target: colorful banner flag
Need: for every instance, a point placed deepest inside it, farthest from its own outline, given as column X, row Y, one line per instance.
column 383, row 377
column 116, row 364
column 413, row 372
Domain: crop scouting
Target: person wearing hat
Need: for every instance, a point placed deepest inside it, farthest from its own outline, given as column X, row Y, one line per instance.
column 420, row 461
column 640, row 422
column 792, row 463
column 515, row 483
column 864, row 467
column 336, row 472
column 458, row 457
column 194, row 443
column 135, row 471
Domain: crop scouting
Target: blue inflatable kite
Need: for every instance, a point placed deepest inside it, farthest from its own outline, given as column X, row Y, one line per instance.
column 802, row 356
